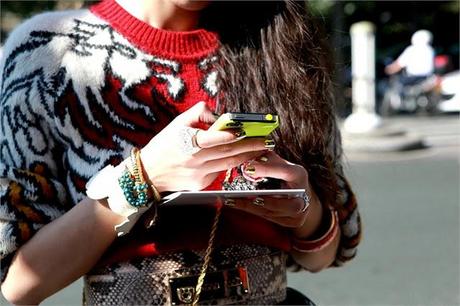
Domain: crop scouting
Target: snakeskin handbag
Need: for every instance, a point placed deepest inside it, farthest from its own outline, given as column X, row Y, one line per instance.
column 239, row 274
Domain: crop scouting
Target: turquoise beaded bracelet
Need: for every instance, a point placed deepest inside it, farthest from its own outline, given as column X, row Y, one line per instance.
column 134, row 192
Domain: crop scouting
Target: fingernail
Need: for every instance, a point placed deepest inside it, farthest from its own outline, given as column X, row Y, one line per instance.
column 263, row 159
column 269, row 144
column 239, row 134
column 229, row 202
column 250, row 169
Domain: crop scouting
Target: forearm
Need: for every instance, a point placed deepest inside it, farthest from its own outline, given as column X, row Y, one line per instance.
column 393, row 68
column 318, row 260
column 60, row 253
column 313, row 218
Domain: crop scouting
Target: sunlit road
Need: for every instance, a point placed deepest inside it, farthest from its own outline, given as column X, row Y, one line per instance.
column 409, row 203
column 410, row 252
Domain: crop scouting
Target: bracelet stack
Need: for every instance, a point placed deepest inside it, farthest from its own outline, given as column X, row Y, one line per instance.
column 126, row 190
column 329, row 230
column 133, row 183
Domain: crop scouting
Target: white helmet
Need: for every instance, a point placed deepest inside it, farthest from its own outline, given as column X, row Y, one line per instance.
column 422, row 37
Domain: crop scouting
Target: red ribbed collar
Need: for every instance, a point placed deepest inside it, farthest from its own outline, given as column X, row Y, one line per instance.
column 171, row 44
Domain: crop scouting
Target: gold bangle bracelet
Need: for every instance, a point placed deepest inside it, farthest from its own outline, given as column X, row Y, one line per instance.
column 138, row 161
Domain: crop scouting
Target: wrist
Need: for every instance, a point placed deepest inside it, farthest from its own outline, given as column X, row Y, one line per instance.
column 313, row 217
column 125, row 189
column 150, row 176
column 322, row 238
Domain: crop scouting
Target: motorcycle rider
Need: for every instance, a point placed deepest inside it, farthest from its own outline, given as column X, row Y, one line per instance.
column 417, row 59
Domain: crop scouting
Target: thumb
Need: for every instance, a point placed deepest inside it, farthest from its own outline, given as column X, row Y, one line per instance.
column 199, row 113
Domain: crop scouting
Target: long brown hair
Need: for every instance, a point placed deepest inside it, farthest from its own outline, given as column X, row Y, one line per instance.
column 273, row 59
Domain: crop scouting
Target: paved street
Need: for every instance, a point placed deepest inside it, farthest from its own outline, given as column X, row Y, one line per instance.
column 409, row 203
column 410, row 251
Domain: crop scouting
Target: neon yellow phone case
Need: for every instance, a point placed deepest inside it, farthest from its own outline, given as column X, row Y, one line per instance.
column 254, row 124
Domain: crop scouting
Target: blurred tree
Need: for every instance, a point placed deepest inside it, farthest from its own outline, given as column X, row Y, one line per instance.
column 26, row 8
column 13, row 12
column 395, row 21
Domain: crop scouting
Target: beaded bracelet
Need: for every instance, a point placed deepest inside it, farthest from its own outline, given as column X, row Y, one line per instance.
column 315, row 245
column 133, row 184
column 152, row 215
column 138, row 162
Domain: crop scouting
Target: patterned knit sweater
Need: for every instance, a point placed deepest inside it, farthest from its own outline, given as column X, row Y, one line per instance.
column 79, row 89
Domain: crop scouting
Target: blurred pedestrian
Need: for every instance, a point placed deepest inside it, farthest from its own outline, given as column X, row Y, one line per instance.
column 112, row 94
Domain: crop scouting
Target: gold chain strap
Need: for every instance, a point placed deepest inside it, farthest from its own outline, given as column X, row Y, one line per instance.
column 207, row 256
column 210, row 248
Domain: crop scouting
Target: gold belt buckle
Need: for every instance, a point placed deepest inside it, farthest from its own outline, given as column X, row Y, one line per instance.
column 217, row 285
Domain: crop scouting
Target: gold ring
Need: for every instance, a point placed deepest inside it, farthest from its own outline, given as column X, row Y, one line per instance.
column 259, row 201
column 229, row 202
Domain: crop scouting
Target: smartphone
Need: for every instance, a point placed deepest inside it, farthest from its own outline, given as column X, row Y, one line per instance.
column 254, row 124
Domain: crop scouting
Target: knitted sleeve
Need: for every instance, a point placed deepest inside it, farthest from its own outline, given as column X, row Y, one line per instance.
column 346, row 205
column 31, row 191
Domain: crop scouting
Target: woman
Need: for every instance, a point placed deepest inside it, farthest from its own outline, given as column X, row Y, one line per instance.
column 81, row 90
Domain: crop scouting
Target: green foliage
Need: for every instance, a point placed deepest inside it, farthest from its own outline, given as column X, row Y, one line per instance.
column 450, row 6
column 321, row 7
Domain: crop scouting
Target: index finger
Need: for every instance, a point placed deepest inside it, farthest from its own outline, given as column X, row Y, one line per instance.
column 250, row 144
column 211, row 138
column 279, row 206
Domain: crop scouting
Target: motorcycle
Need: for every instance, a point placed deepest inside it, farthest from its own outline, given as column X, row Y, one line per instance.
column 431, row 95
column 421, row 96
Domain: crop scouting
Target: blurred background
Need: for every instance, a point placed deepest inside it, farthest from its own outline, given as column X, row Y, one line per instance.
column 395, row 23
column 402, row 149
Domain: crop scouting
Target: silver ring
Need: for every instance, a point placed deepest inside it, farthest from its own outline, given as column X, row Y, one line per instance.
column 306, row 203
column 188, row 136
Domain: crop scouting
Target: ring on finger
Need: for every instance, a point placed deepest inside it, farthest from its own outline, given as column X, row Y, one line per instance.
column 258, row 201
column 229, row 202
column 306, row 203
column 189, row 144
column 195, row 139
